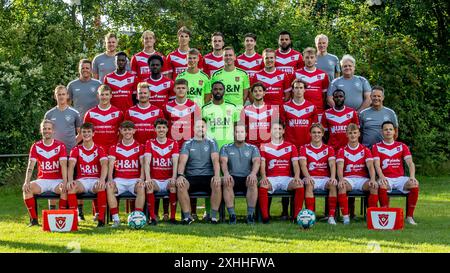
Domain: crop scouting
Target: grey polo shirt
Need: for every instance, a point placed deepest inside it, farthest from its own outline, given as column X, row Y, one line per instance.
column 66, row 124
column 354, row 89
column 240, row 158
column 199, row 151
column 83, row 94
column 370, row 122
column 330, row 64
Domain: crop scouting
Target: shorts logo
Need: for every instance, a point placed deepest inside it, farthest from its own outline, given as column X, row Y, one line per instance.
column 60, row 222
column 383, row 219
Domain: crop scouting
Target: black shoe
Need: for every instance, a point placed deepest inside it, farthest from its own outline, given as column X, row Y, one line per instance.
column 100, row 224
column 214, row 221
column 173, row 221
column 250, row 220
column 284, row 217
column 33, row 222
column 153, row 222
column 233, row 219
column 80, row 214
column 194, row 216
column 265, row 221
column 187, row 221
column 206, row 217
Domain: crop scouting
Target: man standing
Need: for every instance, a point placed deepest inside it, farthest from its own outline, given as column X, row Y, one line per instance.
column 326, row 61
column 83, row 91
column 250, row 61
column 161, row 87
column 288, row 60
column 371, row 118
column 213, row 61
column 104, row 63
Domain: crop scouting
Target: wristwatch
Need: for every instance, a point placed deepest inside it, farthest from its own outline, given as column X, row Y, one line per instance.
column 180, row 174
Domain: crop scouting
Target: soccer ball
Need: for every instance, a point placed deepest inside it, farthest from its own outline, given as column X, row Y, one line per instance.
column 306, row 218
column 136, row 220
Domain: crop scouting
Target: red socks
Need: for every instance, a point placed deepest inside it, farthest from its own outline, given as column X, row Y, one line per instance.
column 264, row 202
column 173, row 204
column 343, row 203
column 30, row 203
column 332, row 201
column 298, row 200
column 151, row 205
column 114, row 211
column 413, row 196
column 101, row 205
column 373, row 201
column 62, row 204
column 384, row 199
column 310, row 203
column 72, row 200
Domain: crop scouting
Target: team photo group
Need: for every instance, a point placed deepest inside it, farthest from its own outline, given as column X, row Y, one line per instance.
column 220, row 123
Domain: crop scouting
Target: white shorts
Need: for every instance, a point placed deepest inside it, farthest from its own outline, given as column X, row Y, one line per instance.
column 125, row 185
column 47, row 185
column 398, row 183
column 320, row 182
column 88, row 183
column 279, row 182
column 162, row 184
column 357, row 182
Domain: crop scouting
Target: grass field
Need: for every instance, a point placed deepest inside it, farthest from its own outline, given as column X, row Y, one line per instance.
column 431, row 235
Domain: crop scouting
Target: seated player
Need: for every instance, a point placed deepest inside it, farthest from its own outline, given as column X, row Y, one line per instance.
column 125, row 160
column 51, row 157
column 161, row 163
column 388, row 156
column 318, row 165
column 355, row 171
column 279, row 159
column 240, row 164
column 92, row 168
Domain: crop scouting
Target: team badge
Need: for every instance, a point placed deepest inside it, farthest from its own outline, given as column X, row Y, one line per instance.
column 362, row 153
column 324, row 152
column 165, row 85
column 56, row 150
column 228, row 112
column 200, row 82
column 292, row 58
column 237, row 79
column 247, row 153
column 330, row 63
column 385, row 118
column 383, row 219
column 128, row 80
column 113, row 115
column 92, row 89
column 206, row 148
column 398, row 149
column 279, row 78
column 67, row 117
column 348, row 116
column 307, row 110
column 319, row 77
column 136, row 150
column 357, row 84
column 60, row 222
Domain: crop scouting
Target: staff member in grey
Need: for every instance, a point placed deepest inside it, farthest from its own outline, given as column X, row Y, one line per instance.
column 199, row 170
column 326, row 61
column 357, row 88
column 83, row 91
column 372, row 118
column 240, row 163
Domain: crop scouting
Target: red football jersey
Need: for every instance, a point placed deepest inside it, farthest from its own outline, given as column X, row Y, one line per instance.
column 355, row 160
column 176, row 62
column 88, row 161
column 317, row 159
column 212, row 63
column 143, row 119
column 127, row 158
column 161, row 165
column 258, row 121
column 298, row 119
column 160, row 91
column 391, row 157
column 47, row 158
column 123, row 87
column 106, row 125
column 181, row 119
column 279, row 158
column 277, row 83
column 250, row 64
column 139, row 65
column 317, row 82
column 336, row 122
column 290, row 61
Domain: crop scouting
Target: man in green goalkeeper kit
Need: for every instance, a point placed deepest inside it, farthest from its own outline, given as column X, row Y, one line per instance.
column 199, row 84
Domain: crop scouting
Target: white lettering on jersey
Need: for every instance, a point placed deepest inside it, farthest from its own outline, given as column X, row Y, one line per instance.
column 121, row 83
column 340, row 119
column 104, row 118
column 390, row 152
column 145, row 116
column 298, row 113
column 47, row 154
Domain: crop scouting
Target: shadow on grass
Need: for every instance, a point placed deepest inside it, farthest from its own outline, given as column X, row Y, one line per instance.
column 30, row 247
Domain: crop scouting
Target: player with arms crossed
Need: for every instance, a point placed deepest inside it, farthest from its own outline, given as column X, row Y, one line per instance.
column 388, row 158
column 51, row 157
column 92, row 168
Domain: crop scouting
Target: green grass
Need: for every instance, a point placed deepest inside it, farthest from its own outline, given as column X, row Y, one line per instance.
column 431, row 235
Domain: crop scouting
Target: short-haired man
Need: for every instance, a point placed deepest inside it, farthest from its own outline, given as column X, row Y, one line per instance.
column 279, row 160
column 288, row 60
column 161, row 164
column 91, row 163
column 143, row 115
column 126, row 160
column 236, row 80
column 317, row 80
column 326, row 61
column 198, row 81
column 213, row 61
column 240, row 164
column 250, row 61
column 123, row 83
column 199, row 170
column 371, row 118
column 388, row 158
column 277, row 83
column 161, row 87
column 176, row 61
column 355, row 171
column 83, row 91
column 51, row 158
column 139, row 61
column 356, row 88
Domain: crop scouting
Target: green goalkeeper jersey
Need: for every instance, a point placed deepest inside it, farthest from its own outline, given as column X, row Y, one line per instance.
column 220, row 121
column 235, row 82
column 198, row 86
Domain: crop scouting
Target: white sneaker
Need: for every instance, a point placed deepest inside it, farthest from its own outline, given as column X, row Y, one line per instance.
column 411, row 221
column 331, row 221
column 346, row 219
column 116, row 224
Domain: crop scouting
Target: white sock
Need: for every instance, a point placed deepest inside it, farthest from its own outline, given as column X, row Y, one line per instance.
column 115, row 217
